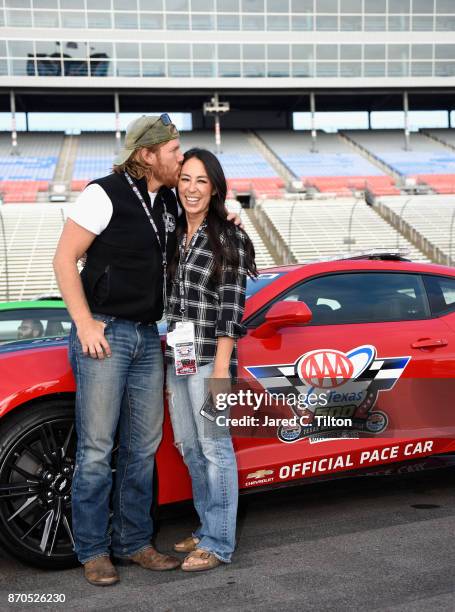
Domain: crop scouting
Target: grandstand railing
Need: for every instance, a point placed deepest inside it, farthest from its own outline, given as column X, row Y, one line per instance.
column 433, row 252
column 369, row 155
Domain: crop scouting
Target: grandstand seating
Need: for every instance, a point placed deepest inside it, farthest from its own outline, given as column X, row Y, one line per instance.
column 444, row 135
column 429, row 215
column 95, row 154
column 318, row 229
column 264, row 258
column 430, row 162
column 246, row 171
column 245, row 168
column 334, row 168
column 22, row 176
column 31, row 238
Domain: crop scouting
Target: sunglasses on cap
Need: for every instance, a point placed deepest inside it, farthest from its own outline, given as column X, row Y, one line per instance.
column 164, row 118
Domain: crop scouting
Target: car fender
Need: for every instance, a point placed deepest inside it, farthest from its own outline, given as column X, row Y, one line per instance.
column 28, row 374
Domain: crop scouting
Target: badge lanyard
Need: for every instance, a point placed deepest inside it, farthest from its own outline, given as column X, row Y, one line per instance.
column 181, row 267
column 182, row 339
column 152, row 223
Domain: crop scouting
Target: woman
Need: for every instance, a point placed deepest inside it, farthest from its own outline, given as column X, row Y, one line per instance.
column 204, row 312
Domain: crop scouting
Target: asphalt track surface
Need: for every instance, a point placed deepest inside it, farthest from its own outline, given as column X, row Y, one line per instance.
column 377, row 543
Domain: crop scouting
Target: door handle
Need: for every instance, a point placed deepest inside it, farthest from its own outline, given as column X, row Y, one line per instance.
column 429, row 343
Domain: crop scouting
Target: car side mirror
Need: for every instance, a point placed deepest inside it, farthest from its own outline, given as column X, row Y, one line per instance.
column 283, row 314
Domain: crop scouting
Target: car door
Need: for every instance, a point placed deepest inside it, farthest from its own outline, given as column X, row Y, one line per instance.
column 378, row 326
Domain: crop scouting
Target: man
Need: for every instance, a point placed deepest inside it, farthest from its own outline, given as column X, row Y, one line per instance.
column 114, row 345
column 30, row 328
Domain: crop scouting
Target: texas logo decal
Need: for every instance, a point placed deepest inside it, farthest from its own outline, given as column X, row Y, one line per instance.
column 343, row 389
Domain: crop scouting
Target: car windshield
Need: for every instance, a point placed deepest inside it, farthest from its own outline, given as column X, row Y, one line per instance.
column 264, row 279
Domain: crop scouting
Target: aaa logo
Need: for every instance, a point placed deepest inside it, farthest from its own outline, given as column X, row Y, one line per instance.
column 325, row 368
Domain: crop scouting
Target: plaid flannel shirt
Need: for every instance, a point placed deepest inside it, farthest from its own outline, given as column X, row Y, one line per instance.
column 216, row 309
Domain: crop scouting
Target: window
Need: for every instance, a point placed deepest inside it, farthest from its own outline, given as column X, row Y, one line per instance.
column 227, row 6
column 445, row 6
column 400, row 6
column 350, row 6
column 228, row 69
column 153, row 69
column 253, row 6
column 178, row 51
column 350, row 23
column 326, row 52
column 152, row 50
column 302, row 6
column 228, row 22
column 302, row 52
column 375, row 6
column 99, row 20
column 326, row 24
column 350, row 69
column 203, row 22
column 277, row 6
column 422, row 6
column 203, row 52
column 178, row 22
column 374, row 52
column 73, row 20
column 228, row 52
column 46, row 19
column 421, row 52
column 20, row 48
column 253, row 52
column 127, row 50
column 151, row 21
column 254, row 69
column 253, row 22
column 277, row 22
column 202, row 5
column 29, row 324
column 360, row 297
column 278, row 52
column 327, row 6
column 350, row 52
column 177, row 5
column 203, row 69
column 444, row 51
column 441, row 294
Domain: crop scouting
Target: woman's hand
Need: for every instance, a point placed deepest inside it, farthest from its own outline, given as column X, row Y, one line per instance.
column 220, row 383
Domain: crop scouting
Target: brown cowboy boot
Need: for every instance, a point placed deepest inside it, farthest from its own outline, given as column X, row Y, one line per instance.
column 150, row 558
column 100, row 572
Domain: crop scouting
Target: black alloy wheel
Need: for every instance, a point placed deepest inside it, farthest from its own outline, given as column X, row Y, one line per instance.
column 37, row 456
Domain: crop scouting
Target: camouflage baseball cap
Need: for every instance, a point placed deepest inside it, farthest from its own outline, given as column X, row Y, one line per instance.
column 145, row 132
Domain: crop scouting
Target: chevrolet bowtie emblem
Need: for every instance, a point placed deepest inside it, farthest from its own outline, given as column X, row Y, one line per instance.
column 260, row 474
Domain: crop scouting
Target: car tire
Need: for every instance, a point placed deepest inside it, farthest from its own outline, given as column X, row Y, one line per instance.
column 37, row 456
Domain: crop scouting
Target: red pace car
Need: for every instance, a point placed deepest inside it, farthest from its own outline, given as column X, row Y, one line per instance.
column 362, row 351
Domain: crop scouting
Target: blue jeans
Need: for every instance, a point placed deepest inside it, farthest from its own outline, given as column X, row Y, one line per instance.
column 124, row 391
column 209, row 455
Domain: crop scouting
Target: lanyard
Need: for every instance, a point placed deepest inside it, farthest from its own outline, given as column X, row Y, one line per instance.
column 181, row 267
column 155, row 229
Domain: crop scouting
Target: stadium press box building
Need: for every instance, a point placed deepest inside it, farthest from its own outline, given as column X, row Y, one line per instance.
column 281, row 50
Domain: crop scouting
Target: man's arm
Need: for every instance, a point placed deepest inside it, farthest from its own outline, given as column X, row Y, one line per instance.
column 73, row 243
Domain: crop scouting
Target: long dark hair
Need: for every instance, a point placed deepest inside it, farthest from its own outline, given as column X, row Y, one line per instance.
column 221, row 232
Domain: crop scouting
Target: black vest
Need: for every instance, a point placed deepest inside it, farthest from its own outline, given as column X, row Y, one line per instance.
column 123, row 274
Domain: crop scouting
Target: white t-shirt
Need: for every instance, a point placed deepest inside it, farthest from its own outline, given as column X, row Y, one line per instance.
column 93, row 209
